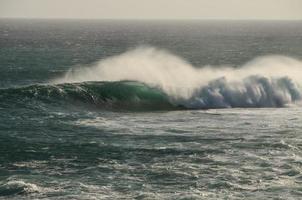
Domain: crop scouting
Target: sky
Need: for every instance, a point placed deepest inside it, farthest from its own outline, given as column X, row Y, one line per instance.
column 153, row 9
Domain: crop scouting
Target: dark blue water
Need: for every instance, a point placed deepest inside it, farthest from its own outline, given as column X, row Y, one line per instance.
column 120, row 109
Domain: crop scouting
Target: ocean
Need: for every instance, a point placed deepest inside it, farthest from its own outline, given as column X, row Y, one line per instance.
column 108, row 109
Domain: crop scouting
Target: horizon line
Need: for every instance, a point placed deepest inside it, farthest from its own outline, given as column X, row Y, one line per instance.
column 152, row 19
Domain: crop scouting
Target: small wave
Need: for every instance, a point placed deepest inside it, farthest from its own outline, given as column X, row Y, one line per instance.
column 16, row 187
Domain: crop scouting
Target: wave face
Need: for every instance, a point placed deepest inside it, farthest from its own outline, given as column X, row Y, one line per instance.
column 125, row 95
column 270, row 81
column 254, row 91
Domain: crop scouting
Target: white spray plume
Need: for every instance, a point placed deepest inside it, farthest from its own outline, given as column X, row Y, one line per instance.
column 180, row 80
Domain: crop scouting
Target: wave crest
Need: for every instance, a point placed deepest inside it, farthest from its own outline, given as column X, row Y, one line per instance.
column 270, row 81
column 175, row 75
column 253, row 91
column 125, row 95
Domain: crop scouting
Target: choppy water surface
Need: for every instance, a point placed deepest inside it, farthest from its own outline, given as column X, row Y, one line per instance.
column 235, row 153
column 122, row 110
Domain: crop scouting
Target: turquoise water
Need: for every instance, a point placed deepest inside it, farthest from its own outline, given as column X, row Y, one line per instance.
column 150, row 110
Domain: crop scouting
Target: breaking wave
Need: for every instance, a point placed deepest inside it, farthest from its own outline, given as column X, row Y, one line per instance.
column 18, row 187
column 147, row 78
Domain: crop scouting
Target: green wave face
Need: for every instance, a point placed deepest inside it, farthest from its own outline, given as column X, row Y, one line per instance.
column 121, row 95
column 252, row 92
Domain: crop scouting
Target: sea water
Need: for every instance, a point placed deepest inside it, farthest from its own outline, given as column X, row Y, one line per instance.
column 103, row 109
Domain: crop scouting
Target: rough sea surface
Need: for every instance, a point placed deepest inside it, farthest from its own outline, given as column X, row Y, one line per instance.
column 150, row 109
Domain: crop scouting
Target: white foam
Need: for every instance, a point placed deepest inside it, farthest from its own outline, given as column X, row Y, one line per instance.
column 22, row 186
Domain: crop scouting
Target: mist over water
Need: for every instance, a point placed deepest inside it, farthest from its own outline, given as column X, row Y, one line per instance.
column 268, row 81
